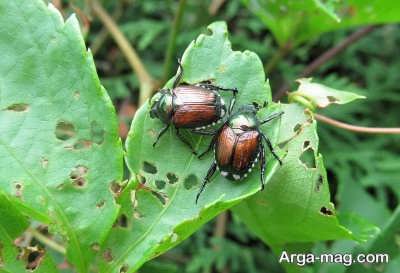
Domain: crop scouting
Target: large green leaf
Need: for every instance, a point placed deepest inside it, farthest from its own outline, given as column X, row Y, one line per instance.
column 296, row 206
column 59, row 148
column 162, row 212
column 293, row 21
column 13, row 260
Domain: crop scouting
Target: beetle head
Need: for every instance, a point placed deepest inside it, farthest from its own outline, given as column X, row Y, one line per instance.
column 245, row 118
column 161, row 105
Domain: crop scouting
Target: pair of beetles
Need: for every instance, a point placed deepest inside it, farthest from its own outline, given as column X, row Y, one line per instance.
column 238, row 143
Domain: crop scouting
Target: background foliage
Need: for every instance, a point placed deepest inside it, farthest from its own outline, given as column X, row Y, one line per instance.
column 362, row 170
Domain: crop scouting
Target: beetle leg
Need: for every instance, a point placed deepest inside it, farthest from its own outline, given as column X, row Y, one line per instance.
column 179, row 74
column 272, row 116
column 185, row 141
column 271, row 148
column 262, row 162
column 208, row 85
column 162, row 131
column 204, row 133
column 232, row 103
column 210, row 172
column 210, row 146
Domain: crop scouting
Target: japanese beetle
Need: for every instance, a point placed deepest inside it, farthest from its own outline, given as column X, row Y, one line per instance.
column 193, row 107
column 238, row 145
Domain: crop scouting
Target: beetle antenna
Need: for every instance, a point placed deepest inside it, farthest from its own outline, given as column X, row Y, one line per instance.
column 179, row 74
column 272, row 116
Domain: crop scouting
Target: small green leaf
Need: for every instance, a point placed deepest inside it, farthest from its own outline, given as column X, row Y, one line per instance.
column 295, row 206
column 312, row 95
column 361, row 228
column 59, row 144
column 162, row 212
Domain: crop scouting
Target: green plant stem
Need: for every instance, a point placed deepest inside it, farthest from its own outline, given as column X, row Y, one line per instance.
column 171, row 48
column 47, row 241
column 146, row 81
column 355, row 128
column 103, row 33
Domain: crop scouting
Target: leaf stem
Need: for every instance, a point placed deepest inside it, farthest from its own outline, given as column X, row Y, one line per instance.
column 215, row 6
column 47, row 241
column 220, row 232
column 220, row 225
column 326, row 56
column 101, row 37
column 355, row 128
column 145, row 79
column 171, row 48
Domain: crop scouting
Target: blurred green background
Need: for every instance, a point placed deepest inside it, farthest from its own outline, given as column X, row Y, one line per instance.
column 363, row 169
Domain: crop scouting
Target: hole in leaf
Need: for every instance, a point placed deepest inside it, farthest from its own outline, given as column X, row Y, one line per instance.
column 149, row 168
column 332, row 99
column 107, row 255
column 141, row 179
column 392, row 201
column 124, row 269
column 77, row 95
column 122, row 221
column 18, row 107
column 160, row 184
column 297, row 128
column 372, row 191
column 77, row 176
column 163, row 198
column 308, row 158
column 80, row 182
column 326, row 211
column 82, row 144
column 190, row 181
column 116, row 188
column 34, row 259
column 64, row 130
column 97, row 132
column 100, row 204
column 319, row 183
column 95, row 246
column 32, row 256
column 172, row 178
column 19, row 187
column 306, row 144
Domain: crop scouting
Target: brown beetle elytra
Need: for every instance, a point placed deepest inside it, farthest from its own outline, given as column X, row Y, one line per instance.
column 238, row 145
column 193, row 107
